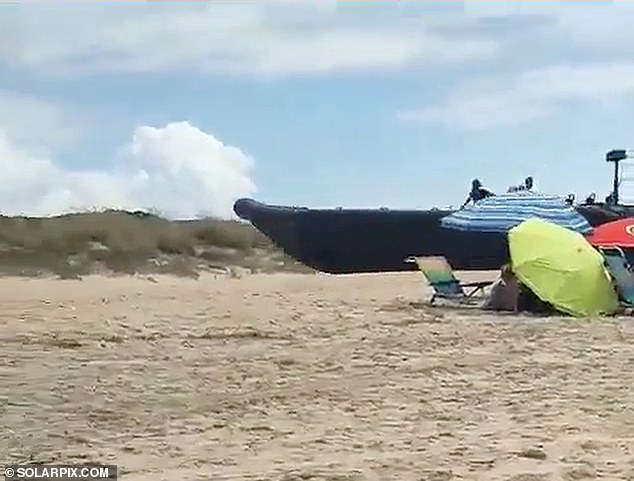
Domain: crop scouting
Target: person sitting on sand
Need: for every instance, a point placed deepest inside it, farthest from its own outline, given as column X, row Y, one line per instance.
column 529, row 302
column 504, row 293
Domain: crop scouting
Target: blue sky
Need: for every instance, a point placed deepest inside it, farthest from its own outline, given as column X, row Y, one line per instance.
column 185, row 106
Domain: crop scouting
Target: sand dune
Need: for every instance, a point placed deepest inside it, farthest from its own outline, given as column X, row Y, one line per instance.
column 309, row 377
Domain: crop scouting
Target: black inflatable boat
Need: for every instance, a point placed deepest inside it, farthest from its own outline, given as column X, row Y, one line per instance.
column 342, row 241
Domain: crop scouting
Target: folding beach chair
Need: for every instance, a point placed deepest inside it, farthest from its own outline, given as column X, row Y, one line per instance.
column 440, row 277
column 622, row 275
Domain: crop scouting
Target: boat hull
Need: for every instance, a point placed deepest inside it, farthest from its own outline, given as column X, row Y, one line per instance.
column 342, row 241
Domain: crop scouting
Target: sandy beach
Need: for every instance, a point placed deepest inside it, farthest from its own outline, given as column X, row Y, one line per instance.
column 308, row 377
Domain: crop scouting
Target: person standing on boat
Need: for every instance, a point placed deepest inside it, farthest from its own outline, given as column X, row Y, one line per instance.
column 528, row 184
column 477, row 193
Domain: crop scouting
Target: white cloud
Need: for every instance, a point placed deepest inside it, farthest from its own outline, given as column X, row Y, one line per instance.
column 529, row 96
column 26, row 118
column 505, row 8
column 602, row 27
column 597, row 35
column 185, row 172
column 178, row 170
column 275, row 37
column 284, row 37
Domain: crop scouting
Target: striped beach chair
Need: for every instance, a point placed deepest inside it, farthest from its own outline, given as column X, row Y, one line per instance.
column 621, row 272
column 440, row 277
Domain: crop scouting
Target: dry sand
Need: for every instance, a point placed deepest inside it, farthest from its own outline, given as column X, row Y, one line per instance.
column 308, row 377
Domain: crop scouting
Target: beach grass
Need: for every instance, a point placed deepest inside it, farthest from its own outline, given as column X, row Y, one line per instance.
column 130, row 242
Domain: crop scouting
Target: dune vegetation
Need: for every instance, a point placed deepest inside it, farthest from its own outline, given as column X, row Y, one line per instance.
column 123, row 242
